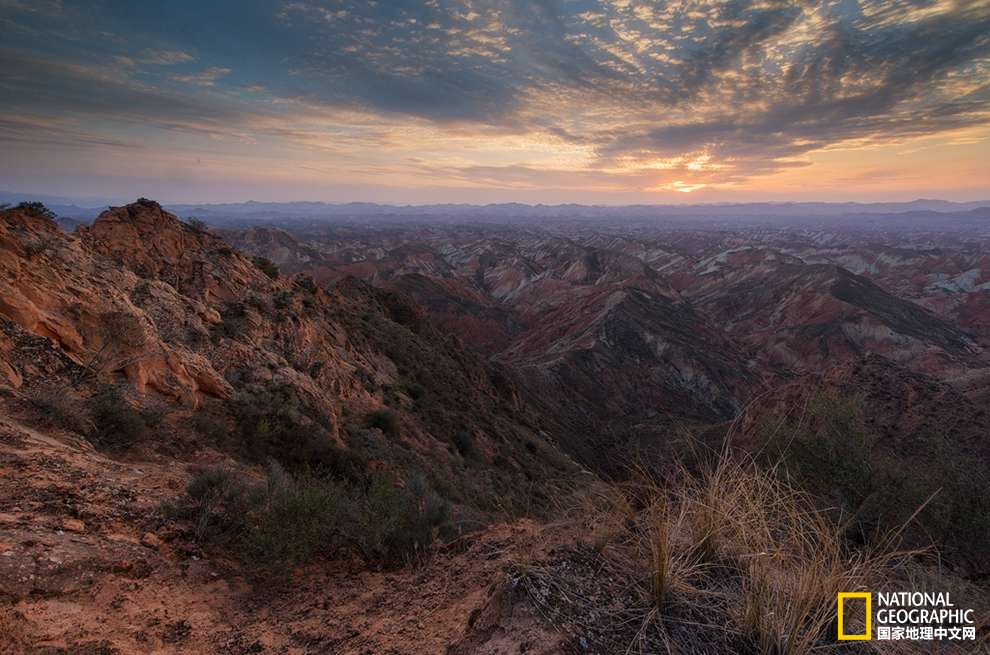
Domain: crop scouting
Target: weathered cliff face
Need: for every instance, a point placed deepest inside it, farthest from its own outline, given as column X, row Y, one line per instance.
column 153, row 244
column 54, row 285
column 189, row 322
column 143, row 295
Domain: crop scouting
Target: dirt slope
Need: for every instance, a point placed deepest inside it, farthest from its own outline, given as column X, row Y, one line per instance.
column 87, row 565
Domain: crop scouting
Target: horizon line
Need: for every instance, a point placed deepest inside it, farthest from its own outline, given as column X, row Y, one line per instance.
column 94, row 203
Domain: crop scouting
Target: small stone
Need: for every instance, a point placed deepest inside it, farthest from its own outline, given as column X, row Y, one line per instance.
column 150, row 540
column 73, row 525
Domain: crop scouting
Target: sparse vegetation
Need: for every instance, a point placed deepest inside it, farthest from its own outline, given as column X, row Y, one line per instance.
column 61, row 407
column 783, row 559
column 384, row 420
column 266, row 266
column 197, row 224
column 209, row 422
column 305, row 284
column 40, row 244
column 394, row 522
column 289, row 519
column 282, row 300
column 216, row 502
column 416, row 391
column 875, row 488
column 275, row 422
column 118, row 330
column 729, row 558
column 296, row 518
column 465, row 445
column 117, row 424
column 37, row 209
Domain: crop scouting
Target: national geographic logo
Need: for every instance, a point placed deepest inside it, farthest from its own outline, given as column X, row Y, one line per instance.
column 904, row 615
column 868, row 597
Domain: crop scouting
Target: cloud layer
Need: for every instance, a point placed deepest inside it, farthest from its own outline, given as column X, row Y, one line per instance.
column 622, row 97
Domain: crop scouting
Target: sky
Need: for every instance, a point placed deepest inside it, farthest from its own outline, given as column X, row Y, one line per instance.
column 609, row 102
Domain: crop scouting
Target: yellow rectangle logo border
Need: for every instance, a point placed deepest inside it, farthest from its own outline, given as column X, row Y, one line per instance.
column 868, row 597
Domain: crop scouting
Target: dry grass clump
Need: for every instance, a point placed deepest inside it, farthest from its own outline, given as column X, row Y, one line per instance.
column 775, row 561
column 729, row 557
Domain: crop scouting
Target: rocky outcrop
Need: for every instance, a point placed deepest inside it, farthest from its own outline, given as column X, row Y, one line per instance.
column 188, row 321
column 58, row 286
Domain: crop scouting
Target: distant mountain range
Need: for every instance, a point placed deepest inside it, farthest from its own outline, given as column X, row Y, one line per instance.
column 85, row 209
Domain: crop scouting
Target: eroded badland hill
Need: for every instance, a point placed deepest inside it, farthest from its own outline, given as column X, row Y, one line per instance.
column 470, row 439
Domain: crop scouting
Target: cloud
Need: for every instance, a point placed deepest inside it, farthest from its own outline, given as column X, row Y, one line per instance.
column 758, row 83
column 643, row 94
column 206, row 77
column 97, row 94
column 167, row 57
column 38, row 131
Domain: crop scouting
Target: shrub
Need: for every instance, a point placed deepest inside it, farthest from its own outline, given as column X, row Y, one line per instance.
column 464, row 442
column 832, row 457
column 275, row 423
column 37, row 209
column 217, row 502
column 305, row 284
column 927, row 481
column 315, row 369
column 40, row 244
column 197, row 225
column 266, row 266
column 117, row 425
column 416, row 391
column 383, row 419
column 288, row 520
column 296, row 519
column 210, row 423
column 62, row 408
column 282, row 300
column 396, row 520
column 367, row 380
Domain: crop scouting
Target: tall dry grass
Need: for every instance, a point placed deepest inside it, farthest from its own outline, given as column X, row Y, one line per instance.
column 775, row 561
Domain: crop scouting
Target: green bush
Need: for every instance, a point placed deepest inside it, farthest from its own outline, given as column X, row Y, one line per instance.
column 117, row 425
column 266, row 266
column 197, row 224
column 305, row 284
column 274, row 423
column 832, row 456
column 37, row 209
column 61, row 408
column 464, row 443
column 282, row 300
column 395, row 521
column 383, row 419
column 288, row 520
column 210, row 423
column 297, row 518
column 416, row 391
column 217, row 501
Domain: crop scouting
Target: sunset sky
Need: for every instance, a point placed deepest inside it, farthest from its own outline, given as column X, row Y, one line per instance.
column 536, row 101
